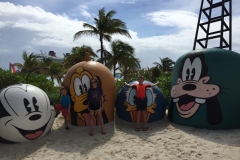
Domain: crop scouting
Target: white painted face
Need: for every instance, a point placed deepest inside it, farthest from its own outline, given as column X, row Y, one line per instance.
column 25, row 113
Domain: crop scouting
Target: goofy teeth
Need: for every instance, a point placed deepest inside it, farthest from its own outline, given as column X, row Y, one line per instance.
column 199, row 100
column 175, row 100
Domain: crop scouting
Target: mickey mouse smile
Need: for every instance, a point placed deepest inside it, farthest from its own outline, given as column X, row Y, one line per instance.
column 33, row 134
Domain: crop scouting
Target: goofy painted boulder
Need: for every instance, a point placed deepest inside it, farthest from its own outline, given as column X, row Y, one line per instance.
column 126, row 108
column 77, row 81
column 205, row 90
column 25, row 113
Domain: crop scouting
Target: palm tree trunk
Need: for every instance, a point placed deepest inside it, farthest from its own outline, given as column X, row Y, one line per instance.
column 114, row 70
column 101, row 43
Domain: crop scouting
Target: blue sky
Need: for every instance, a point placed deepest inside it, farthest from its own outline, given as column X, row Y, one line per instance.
column 159, row 28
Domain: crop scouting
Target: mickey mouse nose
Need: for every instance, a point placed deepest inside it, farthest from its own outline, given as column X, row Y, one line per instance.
column 35, row 117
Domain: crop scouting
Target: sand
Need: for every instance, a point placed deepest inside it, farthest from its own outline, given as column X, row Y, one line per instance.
column 163, row 141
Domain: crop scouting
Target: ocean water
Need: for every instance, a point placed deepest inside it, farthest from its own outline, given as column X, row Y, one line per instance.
column 55, row 81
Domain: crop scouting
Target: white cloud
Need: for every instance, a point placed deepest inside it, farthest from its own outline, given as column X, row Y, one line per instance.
column 179, row 18
column 3, row 50
column 33, row 29
column 83, row 11
column 129, row 1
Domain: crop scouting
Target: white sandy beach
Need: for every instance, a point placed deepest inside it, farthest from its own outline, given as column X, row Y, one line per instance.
column 163, row 141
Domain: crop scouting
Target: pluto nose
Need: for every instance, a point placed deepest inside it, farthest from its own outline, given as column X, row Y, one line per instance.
column 35, row 117
column 189, row 87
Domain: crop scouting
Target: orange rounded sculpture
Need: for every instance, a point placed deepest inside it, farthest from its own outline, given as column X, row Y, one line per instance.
column 77, row 81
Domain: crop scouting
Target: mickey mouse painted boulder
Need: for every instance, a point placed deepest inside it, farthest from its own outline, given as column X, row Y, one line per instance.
column 126, row 109
column 25, row 113
column 205, row 89
column 77, row 81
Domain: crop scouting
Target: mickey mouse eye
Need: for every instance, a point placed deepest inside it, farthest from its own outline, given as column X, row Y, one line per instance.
column 26, row 105
column 34, row 104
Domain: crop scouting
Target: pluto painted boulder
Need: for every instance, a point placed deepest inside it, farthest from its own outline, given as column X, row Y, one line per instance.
column 77, row 81
column 126, row 109
column 25, row 113
column 205, row 90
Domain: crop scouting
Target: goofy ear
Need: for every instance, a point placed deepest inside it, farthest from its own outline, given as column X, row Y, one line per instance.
column 214, row 113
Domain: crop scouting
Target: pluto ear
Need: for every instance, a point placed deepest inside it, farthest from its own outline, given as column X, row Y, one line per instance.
column 99, row 81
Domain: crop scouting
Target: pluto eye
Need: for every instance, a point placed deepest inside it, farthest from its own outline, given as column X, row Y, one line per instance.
column 85, row 88
column 77, row 86
column 86, row 83
column 81, row 89
column 26, row 103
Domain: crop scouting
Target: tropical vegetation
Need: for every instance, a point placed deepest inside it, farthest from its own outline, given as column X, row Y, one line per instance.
column 105, row 27
column 120, row 56
column 39, row 80
column 120, row 59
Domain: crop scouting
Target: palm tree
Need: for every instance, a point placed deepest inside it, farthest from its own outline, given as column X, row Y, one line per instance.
column 77, row 55
column 30, row 62
column 165, row 65
column 105, row 26
column 52, row 69
column 146, row 73
column 59, row 72
column 121, row 54
column 130, row 68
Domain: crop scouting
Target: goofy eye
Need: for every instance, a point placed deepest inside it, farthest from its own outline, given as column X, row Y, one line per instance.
column 186, row 70
column 192, row 71
column 187, row 73
column 26, row 103
column 196, row 69
column 34, row 104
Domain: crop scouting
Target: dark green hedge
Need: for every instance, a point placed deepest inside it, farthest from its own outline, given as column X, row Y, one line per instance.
column 7, row 78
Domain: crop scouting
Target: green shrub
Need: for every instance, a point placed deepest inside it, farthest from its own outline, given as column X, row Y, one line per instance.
column 165, row 85
column 38, row 80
